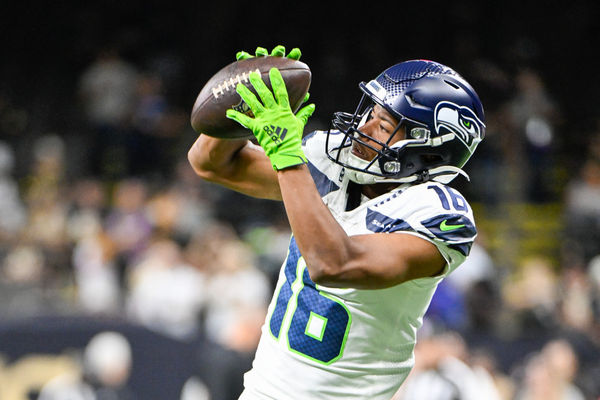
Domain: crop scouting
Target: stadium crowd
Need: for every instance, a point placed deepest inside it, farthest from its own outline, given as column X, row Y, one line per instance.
column 113, row 222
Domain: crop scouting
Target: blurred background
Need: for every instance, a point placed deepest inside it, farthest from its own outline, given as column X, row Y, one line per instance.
column 123, row 276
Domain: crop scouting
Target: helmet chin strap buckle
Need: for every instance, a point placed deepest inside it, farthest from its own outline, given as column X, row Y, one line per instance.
column 423, row 176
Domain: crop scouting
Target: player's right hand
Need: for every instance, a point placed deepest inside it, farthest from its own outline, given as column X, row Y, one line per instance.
column 278, row 51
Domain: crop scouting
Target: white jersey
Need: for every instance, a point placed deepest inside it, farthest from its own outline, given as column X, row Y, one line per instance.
column 330, row 343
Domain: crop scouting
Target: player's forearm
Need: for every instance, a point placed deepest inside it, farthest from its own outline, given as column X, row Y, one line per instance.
column 323, row 243
column 235, row 164
column 210, row 156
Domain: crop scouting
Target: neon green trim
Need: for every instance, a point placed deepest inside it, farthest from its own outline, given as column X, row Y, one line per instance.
column 311, row 321
column 343, row 346
column 297, row 286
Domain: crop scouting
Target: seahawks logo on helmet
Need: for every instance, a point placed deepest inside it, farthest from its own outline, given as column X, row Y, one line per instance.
column 460, row 120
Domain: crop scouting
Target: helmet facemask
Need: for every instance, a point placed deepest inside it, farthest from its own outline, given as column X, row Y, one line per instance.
column 386, row 165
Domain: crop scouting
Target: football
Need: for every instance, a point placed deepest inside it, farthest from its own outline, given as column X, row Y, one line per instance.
column 219, row 94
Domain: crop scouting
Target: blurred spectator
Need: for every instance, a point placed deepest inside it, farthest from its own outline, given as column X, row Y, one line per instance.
column 47, row 204
column 22, row 288
column 485, row 308
column 178, row 213
column 149, row 124
column 108, row 87
column 532, row 295
column 593, row 271
column 533, row 115
column 549, row 374
column 486, row 365
column 107, row 363
column 238, row 296
column 270, row 244
column 151, row 106
column 576, row 300
column 156, row 128
column 450, row 303
column 442, row 372
column 127, row 223
column 108, row 91
column 165, row 293
column 448, row 307
column 13, row 213
column 582, row 209
column 95, row 272
column 87, row 208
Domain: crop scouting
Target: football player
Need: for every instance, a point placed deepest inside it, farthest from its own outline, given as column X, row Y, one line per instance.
column 375, row 225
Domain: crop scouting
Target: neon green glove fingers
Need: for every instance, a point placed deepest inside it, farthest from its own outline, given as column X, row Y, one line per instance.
column 306, row 97
column 242, row 55
column 294, row 54
column 260, row 52
column 305, row 113
column 250, row 99
column 278, row 51
column 277, row 129
column 266, row 96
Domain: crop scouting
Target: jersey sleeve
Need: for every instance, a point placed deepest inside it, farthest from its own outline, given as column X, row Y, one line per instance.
column 433, row 211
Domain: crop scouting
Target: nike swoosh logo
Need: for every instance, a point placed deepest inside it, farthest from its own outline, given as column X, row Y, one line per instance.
column 445, row 227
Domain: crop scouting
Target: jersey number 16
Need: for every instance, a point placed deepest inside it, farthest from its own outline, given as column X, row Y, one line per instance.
column 314, row 324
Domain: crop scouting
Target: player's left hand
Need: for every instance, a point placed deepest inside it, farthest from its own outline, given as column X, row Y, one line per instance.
column 277, row 129
column 278, row 51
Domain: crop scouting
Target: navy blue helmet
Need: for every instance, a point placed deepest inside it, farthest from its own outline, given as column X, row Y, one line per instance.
column 439, row 111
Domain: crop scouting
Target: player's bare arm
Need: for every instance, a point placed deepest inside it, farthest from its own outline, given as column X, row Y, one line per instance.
column 363, row 261
column 237, row 164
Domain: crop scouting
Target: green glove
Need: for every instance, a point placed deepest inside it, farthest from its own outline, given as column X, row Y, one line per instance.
column 277, row 129
column 278, row 51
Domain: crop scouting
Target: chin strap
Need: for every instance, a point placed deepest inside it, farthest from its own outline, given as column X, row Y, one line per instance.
column 442, row 174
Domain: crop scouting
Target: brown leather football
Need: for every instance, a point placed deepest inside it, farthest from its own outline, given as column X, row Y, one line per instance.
column 219, row 94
